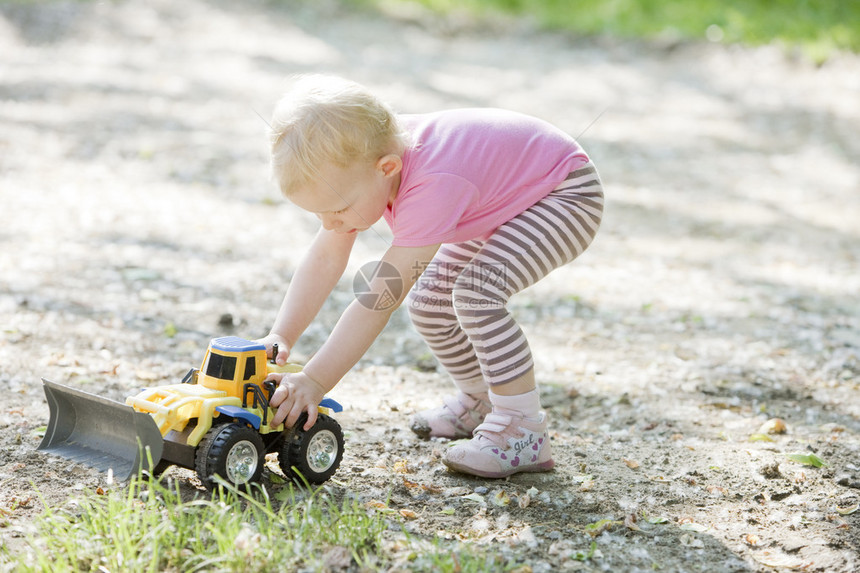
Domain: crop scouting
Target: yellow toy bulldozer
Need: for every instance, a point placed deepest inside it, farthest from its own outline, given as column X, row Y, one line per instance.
column 216, row 421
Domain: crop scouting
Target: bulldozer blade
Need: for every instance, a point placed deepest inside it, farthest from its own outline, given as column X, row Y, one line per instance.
column 99, row 432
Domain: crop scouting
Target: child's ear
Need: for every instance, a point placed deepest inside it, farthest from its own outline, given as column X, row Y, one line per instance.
column 389, row 165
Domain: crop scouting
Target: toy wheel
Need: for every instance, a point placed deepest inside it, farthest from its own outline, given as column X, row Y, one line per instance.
column 314, row 454
column 233, row 451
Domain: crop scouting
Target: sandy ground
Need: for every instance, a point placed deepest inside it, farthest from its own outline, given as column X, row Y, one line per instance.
column 137, row 221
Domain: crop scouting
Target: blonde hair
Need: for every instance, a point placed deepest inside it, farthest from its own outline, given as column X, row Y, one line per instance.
column 326, row 119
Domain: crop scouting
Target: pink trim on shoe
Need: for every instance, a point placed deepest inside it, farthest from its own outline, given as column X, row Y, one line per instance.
column 505, row 444
column 456, row 418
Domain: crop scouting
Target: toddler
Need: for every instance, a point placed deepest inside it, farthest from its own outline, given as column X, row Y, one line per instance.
column 482, row 203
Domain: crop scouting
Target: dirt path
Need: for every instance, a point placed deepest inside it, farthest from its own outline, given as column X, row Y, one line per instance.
column 136, row 222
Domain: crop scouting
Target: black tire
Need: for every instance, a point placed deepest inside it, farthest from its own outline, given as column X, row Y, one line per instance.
column 232, row 451
column 313, row 455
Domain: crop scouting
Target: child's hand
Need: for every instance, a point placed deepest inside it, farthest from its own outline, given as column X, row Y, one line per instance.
column 296, row 393
column 283, row 347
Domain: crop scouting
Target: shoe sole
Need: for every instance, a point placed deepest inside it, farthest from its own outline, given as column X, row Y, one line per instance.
column 541, row 467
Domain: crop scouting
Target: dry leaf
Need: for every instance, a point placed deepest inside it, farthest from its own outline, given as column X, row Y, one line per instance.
column 408, row 514
column 501, row 498
column 112, row 370
column 432, row 488
column 24, row 503
column 632, row 464
column 377, row 505
column 401, row 467
column 688, row 524
column 630, row 522
column 411, row 484
column 773, row 426
column 752, row 539
column 427, row 488
column 716, row 489
column 595, row 529
column 847, row 510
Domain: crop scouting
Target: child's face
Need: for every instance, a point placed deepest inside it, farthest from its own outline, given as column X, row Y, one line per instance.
column 351, row 199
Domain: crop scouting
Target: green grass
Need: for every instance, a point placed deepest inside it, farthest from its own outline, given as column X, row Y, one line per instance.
column 146, row 526
column 817, row 27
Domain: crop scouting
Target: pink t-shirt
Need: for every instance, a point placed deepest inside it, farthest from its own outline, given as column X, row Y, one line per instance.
column 470, row 170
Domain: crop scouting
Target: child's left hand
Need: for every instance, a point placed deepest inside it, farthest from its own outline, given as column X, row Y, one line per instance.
column 296, row 393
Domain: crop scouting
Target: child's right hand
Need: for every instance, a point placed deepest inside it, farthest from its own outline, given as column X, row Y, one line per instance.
column 295, row 393
column 283, row 347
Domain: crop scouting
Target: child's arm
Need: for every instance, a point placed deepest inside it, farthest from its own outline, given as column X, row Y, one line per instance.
column 316, row 276
column 353, row 334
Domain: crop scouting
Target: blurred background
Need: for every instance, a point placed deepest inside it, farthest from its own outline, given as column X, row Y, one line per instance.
column 133, row 152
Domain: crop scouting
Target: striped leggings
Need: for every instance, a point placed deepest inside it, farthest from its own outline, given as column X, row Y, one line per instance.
column 458, row 305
